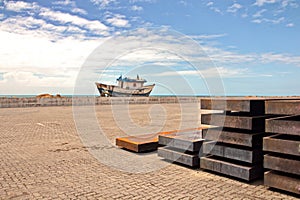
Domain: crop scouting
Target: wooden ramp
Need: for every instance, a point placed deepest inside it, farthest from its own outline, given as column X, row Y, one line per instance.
column 147, row 142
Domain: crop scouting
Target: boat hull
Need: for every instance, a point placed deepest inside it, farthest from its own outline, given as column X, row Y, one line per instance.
column 115, row 91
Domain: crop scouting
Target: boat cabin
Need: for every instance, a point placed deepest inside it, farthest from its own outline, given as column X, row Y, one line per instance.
column 130, row 83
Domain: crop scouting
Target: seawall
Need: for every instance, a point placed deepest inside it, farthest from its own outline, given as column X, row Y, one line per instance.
column 69, row 101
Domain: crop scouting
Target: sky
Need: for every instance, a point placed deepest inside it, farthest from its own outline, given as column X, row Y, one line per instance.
column 202, row 47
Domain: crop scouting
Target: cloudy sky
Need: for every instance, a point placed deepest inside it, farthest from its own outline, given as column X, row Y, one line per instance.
column 252, row 45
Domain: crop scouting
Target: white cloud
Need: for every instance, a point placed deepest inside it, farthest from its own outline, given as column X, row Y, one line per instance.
column 79, row 10
column 65, row 3
column 217, row 10
column 70, row 4
column 103, row 3
column 136, row 8
column 29, row 51
column 271, row 21
column 143, row 1
column 210, row 3
column 117, row 20
column 234, row 8
column 222, row 57
column 257, row 21
column 213, row 8
column 182, row 2
column 259, row 13
column 18, row 6
column 262, row 2
column 40, row 28
column 276, row 21
column 207, row 73
column 290, row 25
column 244, row 15
column 39, row 65
column 212, row 36
column 281, row 58
column 291, row 3
column 93, row 25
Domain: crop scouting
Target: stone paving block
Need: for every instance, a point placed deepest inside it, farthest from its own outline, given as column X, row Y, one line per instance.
column 42, row 157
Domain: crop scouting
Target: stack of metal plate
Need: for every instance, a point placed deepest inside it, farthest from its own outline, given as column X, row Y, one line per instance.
column 235, row 144
column 283, row 158
column 181, row 147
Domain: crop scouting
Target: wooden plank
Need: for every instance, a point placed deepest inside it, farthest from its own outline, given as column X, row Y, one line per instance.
column 233, row 152
column 233, row 137
column 256, row 106
column 284, row 125
column 281, row 181
column 173, row 155
column 235, row 120
column 283, row 107
column 285, row 144
column 188, row 141
column 289, row 165
column 216, row 164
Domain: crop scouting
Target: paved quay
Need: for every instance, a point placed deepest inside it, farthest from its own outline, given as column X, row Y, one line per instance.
column 42, row 157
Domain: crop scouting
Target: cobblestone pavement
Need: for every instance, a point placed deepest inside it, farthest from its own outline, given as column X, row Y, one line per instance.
column 42, row 157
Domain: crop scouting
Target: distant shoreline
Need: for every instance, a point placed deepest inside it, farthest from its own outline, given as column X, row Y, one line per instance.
column 23, row 101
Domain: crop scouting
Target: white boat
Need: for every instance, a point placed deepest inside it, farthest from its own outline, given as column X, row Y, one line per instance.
column 126, row 87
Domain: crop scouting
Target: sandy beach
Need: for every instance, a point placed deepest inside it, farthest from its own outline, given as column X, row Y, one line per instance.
column 42, row 157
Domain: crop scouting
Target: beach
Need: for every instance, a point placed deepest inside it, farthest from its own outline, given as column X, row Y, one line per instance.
column 42, row 157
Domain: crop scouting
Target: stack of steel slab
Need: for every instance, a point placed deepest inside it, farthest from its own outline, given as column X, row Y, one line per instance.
column 181, row 147
column 235, row 144
column 283, row 148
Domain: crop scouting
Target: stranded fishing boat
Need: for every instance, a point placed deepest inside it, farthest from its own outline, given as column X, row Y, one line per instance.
column 126, row 87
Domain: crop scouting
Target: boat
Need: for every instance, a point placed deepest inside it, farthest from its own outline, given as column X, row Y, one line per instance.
column 126, row 87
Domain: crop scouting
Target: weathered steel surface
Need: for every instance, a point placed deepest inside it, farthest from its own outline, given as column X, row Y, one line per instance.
column 173, row 155
column 283, row 107
column 228, row 168
column 280, row 181
column 237, row 153
column 254, row 106
column 233, row 137
column 189, row 141
column 289, row 165
column 235, row 121
column 146, row 142
column 284, row 144
column 284, row 125
column 138, row 144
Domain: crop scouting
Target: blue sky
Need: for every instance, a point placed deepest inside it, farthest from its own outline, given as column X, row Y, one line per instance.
column 253, row 44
